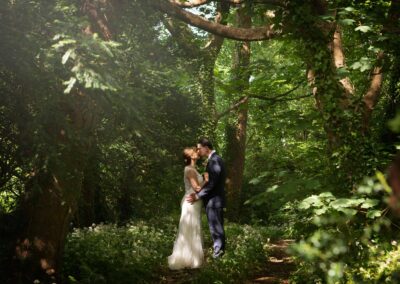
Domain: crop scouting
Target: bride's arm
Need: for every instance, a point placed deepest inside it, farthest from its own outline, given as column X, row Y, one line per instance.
column 192, row 177
column 206, row 177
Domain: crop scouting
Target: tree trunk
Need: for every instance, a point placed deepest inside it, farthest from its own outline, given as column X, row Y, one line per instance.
column 86, row 214
column 207, row 91
column 52, row 197
column 125, row 199
column 236, row 133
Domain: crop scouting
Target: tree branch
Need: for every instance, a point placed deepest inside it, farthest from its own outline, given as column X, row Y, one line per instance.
column 372, row 96
column 98, row 19
column 216, row 41
column 252, row 34
column 186, row 40
column 236, row 105
column 339, row 59
column 279, row 96
column 274, row 100
column 189, row 3
column 182, row 35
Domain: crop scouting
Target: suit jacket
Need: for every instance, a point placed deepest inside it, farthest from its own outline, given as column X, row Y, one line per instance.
column 213, row 193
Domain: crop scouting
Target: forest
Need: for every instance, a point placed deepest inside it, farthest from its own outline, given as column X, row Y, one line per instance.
column 99, row 98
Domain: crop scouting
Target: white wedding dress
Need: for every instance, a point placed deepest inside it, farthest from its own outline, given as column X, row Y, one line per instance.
column 188, row 246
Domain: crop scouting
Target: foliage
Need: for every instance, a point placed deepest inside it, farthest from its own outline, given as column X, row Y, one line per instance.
column 137, row 253
column 244, row 256
column 347, row 231
column 106, row 253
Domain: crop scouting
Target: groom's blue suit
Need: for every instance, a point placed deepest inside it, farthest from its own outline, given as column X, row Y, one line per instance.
column 213, row 196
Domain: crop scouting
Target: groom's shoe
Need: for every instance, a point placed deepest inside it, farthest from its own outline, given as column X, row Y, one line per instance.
column 218, row 254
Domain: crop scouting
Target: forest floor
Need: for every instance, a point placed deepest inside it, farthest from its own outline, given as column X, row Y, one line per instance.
column 278, row 267
column 276, row 270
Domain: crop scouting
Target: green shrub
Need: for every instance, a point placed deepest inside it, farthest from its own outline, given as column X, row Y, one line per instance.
column 340, row 248
column 111, row 254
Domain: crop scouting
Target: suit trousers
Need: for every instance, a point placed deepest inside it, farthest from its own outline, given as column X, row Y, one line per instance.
column 215, row 218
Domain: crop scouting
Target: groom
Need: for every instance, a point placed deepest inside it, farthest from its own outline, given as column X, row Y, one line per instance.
column 213, row 195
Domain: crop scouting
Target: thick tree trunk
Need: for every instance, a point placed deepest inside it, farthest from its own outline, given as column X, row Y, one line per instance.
column 39, row 248
column 52, row 198
column 236, row 134
column 51, row 202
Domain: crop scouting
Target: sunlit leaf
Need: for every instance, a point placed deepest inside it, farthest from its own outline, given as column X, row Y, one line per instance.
column 71, row 82
column 66, row 55
column 363, row 29
column 372, row 214
column 369, row 203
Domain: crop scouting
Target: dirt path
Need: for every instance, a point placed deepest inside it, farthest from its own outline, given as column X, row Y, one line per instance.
column 178, row 277
column 278, row 267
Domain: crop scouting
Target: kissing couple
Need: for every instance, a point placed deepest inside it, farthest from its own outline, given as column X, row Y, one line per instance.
column 207, row 190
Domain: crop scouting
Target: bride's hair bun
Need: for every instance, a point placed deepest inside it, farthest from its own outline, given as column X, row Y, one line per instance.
column 187, row 159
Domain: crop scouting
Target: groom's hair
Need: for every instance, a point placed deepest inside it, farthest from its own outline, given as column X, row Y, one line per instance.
column 205, row 143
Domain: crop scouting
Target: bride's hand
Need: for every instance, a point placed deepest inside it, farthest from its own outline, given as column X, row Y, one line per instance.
column 192, row 198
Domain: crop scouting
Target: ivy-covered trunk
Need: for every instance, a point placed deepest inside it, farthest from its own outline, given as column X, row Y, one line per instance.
column 207, row 90
column 345, row 110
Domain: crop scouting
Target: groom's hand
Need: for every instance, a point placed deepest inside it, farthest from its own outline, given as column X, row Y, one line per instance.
column 192, row 198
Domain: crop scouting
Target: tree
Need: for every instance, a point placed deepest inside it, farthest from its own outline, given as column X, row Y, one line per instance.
column 321, row 32
column 236, row 132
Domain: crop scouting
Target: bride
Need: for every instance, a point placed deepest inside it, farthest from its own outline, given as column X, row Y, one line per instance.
column 188, row 247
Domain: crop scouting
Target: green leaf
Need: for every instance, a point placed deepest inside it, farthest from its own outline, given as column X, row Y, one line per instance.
column 347, row 22
column 326, row 195
column 369, row 203
column 70, row 84
column 372, row 214
column 62, row 43
column 345, row 203
column 349, row 9
column 394, row 124
column 383, row 181
column 272, row 188
column 66, row 56
column 312, row 200
column 363, row 29
column 365, row 67
column 343, row 72
column 320, row 211
column 255, row 181
column 363, row 64
column 356, row 65
column 348, row 211
column 106, row 49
